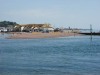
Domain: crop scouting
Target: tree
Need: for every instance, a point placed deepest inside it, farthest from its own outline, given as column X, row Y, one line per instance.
column 7, row 24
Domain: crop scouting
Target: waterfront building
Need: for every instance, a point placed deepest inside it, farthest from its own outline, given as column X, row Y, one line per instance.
column 34, row 28
column 3, row 29
column 70, row 30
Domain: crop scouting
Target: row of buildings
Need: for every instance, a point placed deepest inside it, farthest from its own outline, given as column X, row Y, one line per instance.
column 36, row 28
column 28, row 28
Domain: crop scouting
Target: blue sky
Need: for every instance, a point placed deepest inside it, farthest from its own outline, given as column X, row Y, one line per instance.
column 59, row 13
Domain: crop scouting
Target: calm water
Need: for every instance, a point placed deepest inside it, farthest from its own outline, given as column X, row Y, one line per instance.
column 52, row 56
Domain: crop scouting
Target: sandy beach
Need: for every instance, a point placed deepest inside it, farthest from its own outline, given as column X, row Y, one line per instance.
column 23, row 35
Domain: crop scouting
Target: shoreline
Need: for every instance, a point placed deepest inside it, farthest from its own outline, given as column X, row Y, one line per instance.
column 36, row 35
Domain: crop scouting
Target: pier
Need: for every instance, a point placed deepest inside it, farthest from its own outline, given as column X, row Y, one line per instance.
column 93, row 33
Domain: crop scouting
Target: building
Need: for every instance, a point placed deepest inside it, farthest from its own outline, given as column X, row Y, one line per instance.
column 34, row 28
column 3, row 29
column 74, row 30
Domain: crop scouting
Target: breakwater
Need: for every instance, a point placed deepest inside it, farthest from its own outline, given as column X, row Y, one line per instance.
column 91, row 33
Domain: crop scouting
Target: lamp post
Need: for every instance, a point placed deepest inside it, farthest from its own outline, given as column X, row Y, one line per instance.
column 91, row 31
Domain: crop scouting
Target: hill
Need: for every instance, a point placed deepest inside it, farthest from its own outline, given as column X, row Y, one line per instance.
column 7, row 24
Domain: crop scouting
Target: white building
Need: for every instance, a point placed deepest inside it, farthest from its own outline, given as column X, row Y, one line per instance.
column 3, row 29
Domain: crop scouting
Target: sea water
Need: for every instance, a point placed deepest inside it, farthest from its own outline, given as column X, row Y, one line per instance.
column 74, row 55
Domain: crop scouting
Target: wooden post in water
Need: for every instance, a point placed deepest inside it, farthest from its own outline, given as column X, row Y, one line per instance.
column 91, row 31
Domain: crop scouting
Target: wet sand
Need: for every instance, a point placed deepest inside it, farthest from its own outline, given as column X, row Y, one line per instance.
column 23, row 35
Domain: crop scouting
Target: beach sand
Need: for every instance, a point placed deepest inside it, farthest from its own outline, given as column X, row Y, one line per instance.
column 24, row 35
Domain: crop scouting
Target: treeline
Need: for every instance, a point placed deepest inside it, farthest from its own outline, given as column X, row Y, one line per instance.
column 7, row 23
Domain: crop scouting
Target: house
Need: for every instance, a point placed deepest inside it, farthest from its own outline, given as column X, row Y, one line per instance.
column 3, row 29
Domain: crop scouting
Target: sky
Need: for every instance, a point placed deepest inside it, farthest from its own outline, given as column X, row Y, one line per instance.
column 59, row 13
